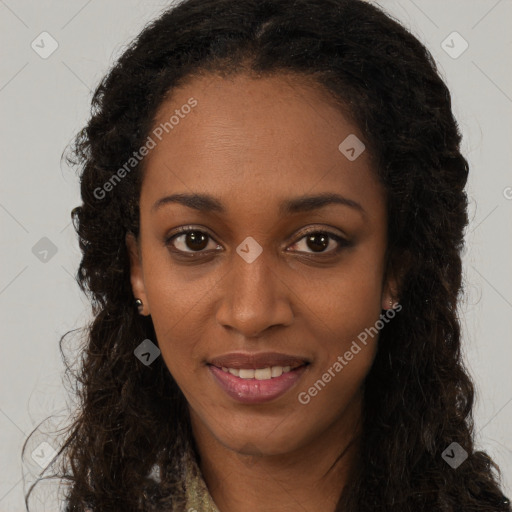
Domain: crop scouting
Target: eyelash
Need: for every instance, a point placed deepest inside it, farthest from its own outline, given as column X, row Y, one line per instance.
column 342, row 242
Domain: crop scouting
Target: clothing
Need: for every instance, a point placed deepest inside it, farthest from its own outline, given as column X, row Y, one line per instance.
column 198, row 496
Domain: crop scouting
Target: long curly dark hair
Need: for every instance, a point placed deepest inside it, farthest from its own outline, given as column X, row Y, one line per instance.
column 418, row 396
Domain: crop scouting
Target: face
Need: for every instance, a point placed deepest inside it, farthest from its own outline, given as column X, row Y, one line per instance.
column 260, row 269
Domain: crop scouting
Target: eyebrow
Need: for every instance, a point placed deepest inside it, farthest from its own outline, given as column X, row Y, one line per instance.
column 207, row 203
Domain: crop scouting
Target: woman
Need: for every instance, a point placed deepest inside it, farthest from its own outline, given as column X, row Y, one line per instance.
column 272, row 221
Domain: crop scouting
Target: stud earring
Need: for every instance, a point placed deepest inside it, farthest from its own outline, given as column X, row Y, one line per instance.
column 139, row 305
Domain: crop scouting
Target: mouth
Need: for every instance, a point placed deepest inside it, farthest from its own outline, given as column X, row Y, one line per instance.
column 257, row 385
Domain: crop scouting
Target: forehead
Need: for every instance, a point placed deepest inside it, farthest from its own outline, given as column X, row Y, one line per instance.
column 255, row 140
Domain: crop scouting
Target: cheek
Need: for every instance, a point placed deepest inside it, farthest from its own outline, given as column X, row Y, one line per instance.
column 346, row 344
column 346, row 351
column 346, row 313
column 175, row 303
column 348, row 299
column 176, row 294
column 340, row 374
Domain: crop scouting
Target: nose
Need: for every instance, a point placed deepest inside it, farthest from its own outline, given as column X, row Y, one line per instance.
column 254, row 297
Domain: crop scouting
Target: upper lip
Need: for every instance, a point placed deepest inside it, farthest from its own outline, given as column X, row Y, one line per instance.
column 257, row 360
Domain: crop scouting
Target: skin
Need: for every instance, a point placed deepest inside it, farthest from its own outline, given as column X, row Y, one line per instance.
column 253, row 143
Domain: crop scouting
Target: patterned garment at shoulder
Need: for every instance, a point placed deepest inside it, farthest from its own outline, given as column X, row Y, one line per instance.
column 198, row 496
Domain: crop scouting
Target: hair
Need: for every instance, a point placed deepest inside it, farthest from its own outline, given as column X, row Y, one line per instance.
column 418, row 395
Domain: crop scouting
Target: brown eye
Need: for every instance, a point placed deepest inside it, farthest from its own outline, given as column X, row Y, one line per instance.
column 319, row 241
column 189, row 240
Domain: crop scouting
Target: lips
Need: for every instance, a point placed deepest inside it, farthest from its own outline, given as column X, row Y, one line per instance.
column 239, row 360
column 254, row 391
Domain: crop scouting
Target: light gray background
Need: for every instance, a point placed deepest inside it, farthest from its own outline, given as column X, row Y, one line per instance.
column 45, row 101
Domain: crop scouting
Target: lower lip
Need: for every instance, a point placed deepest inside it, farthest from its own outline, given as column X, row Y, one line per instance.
column 253, row 391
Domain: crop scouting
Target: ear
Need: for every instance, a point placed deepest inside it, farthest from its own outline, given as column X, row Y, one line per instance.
column 396, row 269
column 390, row 297
column 136, row 274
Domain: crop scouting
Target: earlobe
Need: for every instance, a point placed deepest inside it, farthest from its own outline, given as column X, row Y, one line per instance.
column 136, row 274
column 390, row 299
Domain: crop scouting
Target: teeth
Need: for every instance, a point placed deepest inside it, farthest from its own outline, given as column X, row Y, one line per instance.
column 259, row 374
column 263, row 373
column 246, row 374
column 276, row 371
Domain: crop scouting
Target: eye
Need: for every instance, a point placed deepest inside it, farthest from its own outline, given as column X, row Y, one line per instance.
column 320, row 240
column 191, row 238
column 195, row 241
